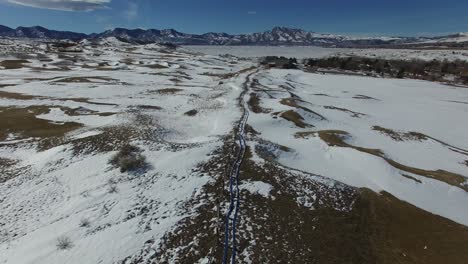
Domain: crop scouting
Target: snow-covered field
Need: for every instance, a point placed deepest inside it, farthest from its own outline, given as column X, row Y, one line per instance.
column 300, row 52
column 64, row 115
column 353, row 109
column 141, row 92
column 318, row 52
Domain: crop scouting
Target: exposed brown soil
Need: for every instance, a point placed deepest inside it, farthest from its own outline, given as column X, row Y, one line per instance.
column 293, row 102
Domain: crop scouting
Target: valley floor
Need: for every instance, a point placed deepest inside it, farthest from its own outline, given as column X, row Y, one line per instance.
column 332, row 168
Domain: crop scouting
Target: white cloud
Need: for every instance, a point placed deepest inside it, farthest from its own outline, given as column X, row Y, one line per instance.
column 251, row 12
column 65, row 5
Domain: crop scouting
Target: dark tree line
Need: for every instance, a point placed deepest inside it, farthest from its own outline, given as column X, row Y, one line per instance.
column 434, row 70
column 280, row 62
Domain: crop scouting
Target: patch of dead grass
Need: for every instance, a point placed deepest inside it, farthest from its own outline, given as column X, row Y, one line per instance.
column 168, row 91
column 23, row 121
column 18, row 96
column 293, row 102
column 13, row 64
column 294, row 117
column 254, row 104
column 337, row 138
column 353, row 114
column 87, row 79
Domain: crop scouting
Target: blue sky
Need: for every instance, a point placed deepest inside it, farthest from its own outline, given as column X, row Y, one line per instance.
column 355, row 17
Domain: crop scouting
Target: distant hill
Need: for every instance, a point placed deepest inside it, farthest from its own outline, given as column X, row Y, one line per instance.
column 276, row 36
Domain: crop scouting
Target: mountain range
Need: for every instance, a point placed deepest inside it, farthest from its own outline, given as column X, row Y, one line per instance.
column 276, row 36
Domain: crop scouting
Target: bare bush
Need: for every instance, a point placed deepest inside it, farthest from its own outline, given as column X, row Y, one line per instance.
column 85, row 222
column 129, row 158
column 64, row 243
column 112, row 181
column 113, row 188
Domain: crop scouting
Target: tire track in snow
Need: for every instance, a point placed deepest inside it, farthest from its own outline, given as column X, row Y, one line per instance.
column 234, row 197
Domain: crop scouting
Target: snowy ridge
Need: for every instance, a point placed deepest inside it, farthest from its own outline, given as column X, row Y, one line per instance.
column 274, row 37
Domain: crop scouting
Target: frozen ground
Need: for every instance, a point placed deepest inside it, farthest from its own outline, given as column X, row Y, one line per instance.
column 317, row 52
column 262, row 51
column 313, row 141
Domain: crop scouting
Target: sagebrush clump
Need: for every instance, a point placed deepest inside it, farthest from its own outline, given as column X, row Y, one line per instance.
column 129, row 158
column 85, row 222
column 64, row 243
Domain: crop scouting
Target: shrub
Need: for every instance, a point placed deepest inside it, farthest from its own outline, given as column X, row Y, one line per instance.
column 191, row 112
column 401, row 73
column 85, row 222
column 129, row 158
column 64, row 243
column 113, row 188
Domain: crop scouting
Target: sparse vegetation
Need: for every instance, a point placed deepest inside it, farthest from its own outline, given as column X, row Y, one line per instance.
column 279, row 62
column 254, row 104
column 168, row 90
column 294, row 117
column 192, row 112
column 64, row 243
column 113, row 188
column 23, row 122
column 85, row 222
column 13, row 64
column 338, row 138
column 129, row 158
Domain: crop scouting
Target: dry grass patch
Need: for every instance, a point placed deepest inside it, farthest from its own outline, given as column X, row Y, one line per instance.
column 19, row 96
column 23, row 121
column 294, row 117
column 168, row 91
column 148, row 107
column 337, row 138
column 13, row 64
column 365, row 97
column 155, row 66
column 87, row 79
column 254, row 104
column 229, row 74
column 400, row 136
column 293, row 102
column 352, row 113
